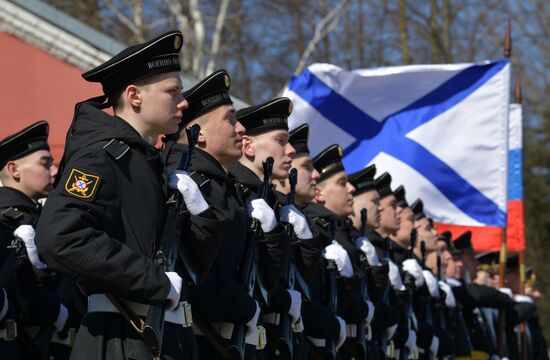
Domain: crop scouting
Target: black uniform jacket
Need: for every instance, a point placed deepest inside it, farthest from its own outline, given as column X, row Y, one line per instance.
column 319, row 321
column 351, row 306
column 307, row 251
column 221, row 296
column 102, row 224
column 274, row 247
column 202, row 233
column 30, row 292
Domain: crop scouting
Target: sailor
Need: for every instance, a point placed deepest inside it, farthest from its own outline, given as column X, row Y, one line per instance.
column 102, row 225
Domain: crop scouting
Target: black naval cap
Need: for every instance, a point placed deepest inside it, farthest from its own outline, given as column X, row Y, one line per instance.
column 159, row 55
column 488, row 261
column 464, row 241
column 417, row 208
column 399, row 194
column 329, row 162
column 383, row 183
column 25, row 142
column 363, row 180
column 298, row 139
column 270, row 115
column 208, row 94
column 446, row 237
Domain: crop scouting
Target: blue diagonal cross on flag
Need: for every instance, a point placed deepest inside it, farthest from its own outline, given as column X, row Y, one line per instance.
column 440, row 130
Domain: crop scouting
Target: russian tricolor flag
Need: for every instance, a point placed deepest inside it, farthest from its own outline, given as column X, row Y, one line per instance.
column 515, row 233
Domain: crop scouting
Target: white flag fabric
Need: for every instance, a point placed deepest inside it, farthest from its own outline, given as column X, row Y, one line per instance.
column 440, row 130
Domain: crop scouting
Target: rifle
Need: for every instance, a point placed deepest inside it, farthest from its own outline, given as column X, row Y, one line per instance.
column 385, row 300
column 404, row 353
column 332, row 296
column 284, row 343
column 428, row 310
column 18, row 252
column 167, row 257
column 441, row 317
column 250, row 269
column 361, row 336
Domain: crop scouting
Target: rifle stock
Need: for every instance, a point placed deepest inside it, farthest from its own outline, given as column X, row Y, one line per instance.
column 428, row 312
column 332, row 296
column 250, row 270
column 361, row 336
column 284, row 342
column 166, row 258
column 404, row 353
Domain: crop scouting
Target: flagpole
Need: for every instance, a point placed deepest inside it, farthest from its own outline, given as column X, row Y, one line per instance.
column 502, row 257
column 521, row 254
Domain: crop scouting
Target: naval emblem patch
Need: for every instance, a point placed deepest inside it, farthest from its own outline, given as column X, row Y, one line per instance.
column 82, row 185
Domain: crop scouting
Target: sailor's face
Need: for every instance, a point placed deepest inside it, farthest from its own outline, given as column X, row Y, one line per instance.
column 389, row 221
column 222, row 134
column 275, row 144
column 336, row 193
column 369, row 200
column 36, row 173
column 162, row 102
column 426, row 233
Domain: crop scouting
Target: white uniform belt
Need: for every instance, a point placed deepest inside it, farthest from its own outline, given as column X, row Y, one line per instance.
column 317, row 342
column 100, row 303
column 275, row 319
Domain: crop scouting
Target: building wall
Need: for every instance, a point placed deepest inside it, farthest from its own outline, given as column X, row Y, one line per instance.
column 37, row 86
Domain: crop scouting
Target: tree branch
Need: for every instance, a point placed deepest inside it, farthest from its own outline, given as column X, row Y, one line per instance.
column 322, row 29
column 216, row 37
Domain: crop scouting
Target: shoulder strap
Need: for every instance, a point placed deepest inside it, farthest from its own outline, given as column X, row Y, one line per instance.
column 116, row 148
column 199, row 178
column 11, row 217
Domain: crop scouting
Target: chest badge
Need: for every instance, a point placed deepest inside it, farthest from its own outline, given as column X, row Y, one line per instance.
column 82, row 185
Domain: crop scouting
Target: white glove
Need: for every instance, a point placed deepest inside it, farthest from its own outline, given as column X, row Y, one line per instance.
column 62, row 317
column 372, row 309
column 453, row 282
column 192, row 196
column 434, row 346
column 413, row 268
column 517, row 298
column 450, row 301
column 411, row 341
column 390, row 331
column 26, row 233
column 368, row 249
column 259, row 210
column 295, row 305
column 252, row 331
column 431, row 281
column 340, row 256
column 395, row 277
column 290, row 214
column 4, row 309
column 507, row 291
column 175, row 290
column 342, row 336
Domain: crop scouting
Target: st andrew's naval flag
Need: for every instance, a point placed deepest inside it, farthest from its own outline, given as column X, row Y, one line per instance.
column 440, row 130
